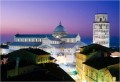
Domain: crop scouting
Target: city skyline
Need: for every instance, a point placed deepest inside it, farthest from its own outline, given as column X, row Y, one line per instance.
column 59, row 40
column 38, row 17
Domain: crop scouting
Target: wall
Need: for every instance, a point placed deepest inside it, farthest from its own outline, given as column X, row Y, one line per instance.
column 42, row 59
column 21, row 70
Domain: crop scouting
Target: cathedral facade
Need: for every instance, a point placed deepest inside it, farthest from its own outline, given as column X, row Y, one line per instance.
column 59, row 44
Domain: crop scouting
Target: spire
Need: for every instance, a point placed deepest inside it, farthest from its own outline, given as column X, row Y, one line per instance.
column 60, row 23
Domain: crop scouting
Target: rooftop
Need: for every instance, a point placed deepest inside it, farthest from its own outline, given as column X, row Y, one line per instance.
column 33, row 35
column 114, row 70
column 102, row 62
column 70, row 36
column 49, row 36
column 36, row 51
column 25, row 44
column 94, row 47
column 4, row 46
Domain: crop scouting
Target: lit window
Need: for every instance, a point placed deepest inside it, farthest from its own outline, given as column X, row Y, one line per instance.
column 18, row 40
column 25, row 39
column 57, row 36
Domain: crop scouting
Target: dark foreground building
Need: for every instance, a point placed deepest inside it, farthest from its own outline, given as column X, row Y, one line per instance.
column 22, row 67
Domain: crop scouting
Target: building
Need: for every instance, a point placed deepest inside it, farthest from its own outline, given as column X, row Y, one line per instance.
column 93, row 64
column 4, row 49
column 32, row 55
column 59, row 44
column 42, row 72
column 22, row 61
column 101, row 29
column 102, row 70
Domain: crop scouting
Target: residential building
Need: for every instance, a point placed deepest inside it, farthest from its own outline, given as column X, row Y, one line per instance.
column 23, row 61
column 33, row 55
column 92, row 63
column 100, row 70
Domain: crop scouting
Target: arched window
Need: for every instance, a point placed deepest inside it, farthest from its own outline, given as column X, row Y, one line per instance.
column 100, row 19
column 102, row 79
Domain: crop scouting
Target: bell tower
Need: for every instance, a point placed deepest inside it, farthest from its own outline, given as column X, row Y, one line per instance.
column 101, row 29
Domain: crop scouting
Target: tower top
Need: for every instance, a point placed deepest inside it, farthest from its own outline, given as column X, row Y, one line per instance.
column 101, row 17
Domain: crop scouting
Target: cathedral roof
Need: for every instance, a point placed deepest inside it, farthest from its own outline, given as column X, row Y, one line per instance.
column 33, row 35
column 70, row 36
column 49, row 36
column 81, row 44
column 25, row 44
column 59, row 28
column 54, row 39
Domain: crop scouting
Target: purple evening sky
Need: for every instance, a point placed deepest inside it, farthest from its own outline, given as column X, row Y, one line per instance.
column 34, row 17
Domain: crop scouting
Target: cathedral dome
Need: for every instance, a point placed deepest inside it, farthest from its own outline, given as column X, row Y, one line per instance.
column 59, row 28
column 59, row 31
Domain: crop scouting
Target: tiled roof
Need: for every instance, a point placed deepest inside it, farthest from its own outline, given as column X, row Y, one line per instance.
column 42, row 36
column 36, row 51
column 70, row 36
column 25, row 44
column 94, row 47
column 33, row 35
column 114, row 70
column 102, row 62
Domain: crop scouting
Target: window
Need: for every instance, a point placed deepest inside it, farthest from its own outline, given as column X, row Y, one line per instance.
column 102, row 79
column 96, row 76
column 105, row 19
column 18, row 40
column 91, row 73
column 33, row 40
column 100, row 19
column 36, row 40
column 67, row 40
column 40, row 39
column 29, row 40
column 100, row 26
column 25, row 39
column 72, row 40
